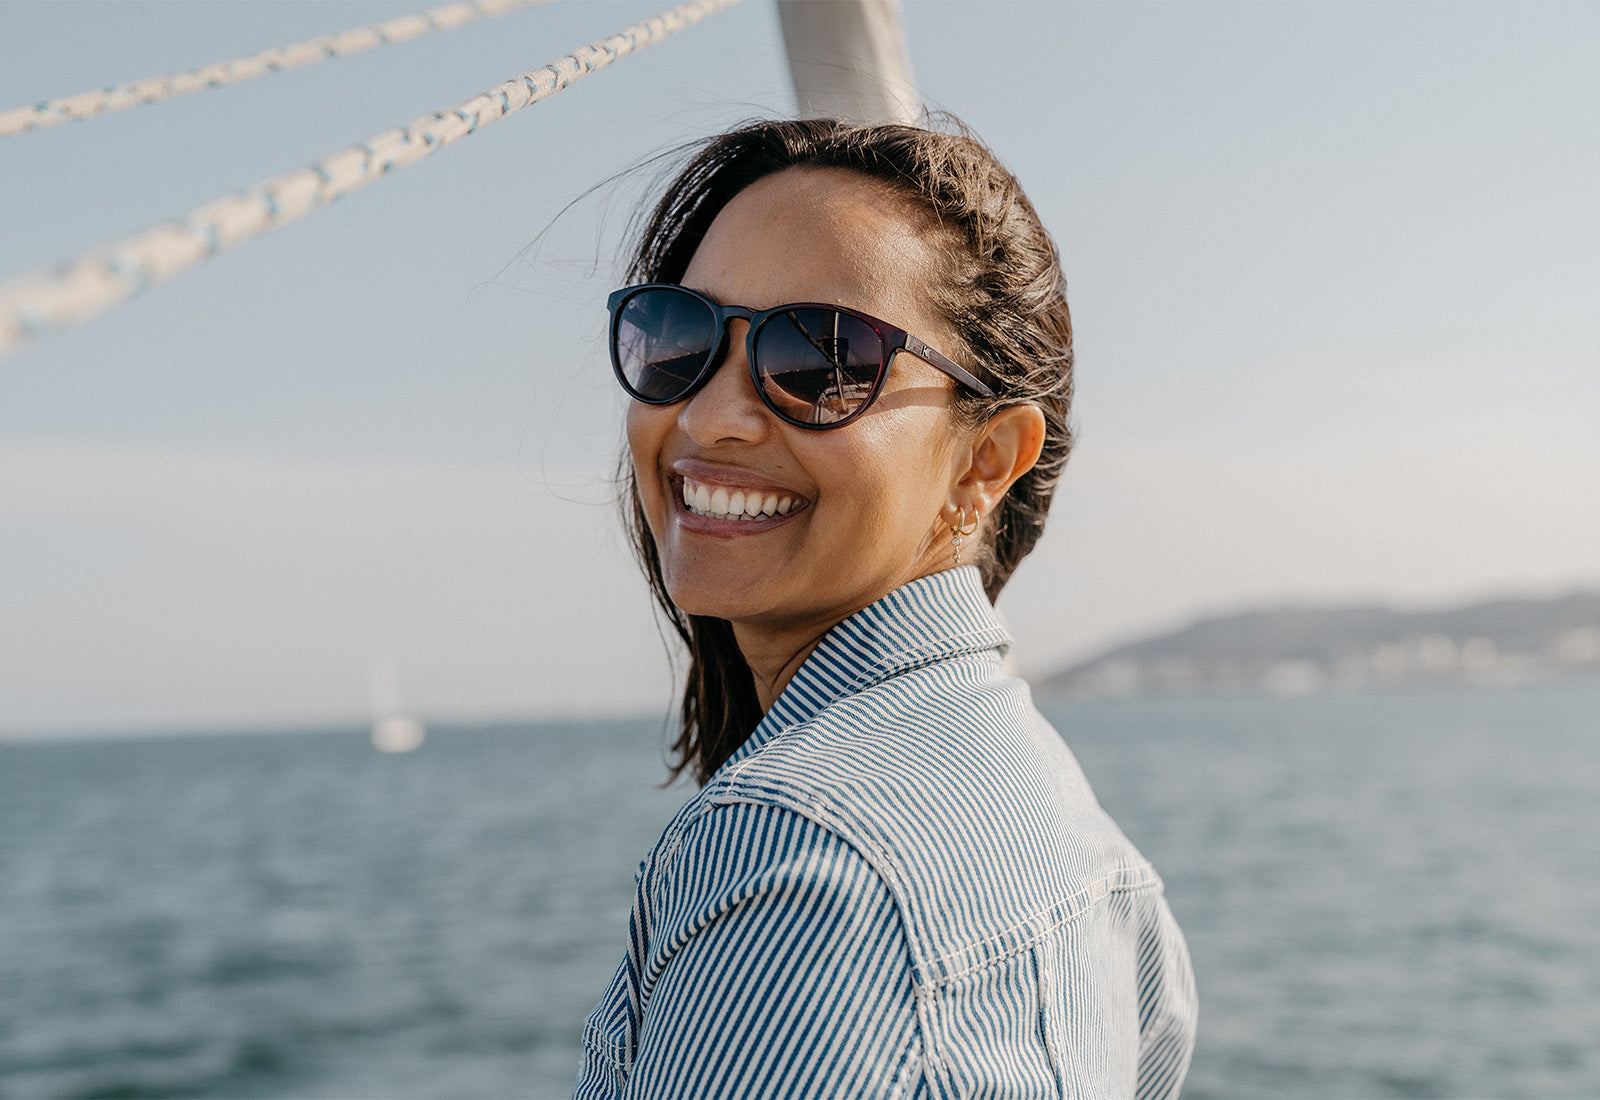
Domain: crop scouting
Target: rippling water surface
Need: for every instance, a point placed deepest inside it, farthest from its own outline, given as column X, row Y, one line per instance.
column 1385, row 895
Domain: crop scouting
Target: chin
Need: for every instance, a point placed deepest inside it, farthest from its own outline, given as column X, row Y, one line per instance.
column 695, row 592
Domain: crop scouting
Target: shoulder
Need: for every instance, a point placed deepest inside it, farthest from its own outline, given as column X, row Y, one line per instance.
column 966, row 802
column 720, row 854
column 948, row 753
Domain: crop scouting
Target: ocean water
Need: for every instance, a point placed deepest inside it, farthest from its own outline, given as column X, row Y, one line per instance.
column 1385, row 894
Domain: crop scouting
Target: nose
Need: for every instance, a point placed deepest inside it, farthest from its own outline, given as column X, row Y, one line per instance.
column 727, row 408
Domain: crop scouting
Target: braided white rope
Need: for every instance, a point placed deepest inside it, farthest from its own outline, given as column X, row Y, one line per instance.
column 97, row 280
column 19, row 120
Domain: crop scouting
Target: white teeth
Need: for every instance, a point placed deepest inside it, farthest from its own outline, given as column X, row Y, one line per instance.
column 722, row 503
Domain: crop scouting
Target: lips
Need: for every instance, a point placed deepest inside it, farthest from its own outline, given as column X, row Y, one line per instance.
column 741, row 504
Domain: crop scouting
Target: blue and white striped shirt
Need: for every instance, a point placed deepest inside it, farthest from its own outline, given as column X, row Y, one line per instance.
column 900, row 885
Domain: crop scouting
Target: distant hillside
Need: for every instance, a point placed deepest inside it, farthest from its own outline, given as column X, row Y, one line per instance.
column 1294, row 650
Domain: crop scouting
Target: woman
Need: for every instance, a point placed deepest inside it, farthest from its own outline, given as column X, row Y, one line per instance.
column 850, row 358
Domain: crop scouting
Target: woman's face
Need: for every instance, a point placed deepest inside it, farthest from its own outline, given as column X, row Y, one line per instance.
column 864, row 501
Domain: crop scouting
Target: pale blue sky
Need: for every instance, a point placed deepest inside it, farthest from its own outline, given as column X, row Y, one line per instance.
column 1333, row 270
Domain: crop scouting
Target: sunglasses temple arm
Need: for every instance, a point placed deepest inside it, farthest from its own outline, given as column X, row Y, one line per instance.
column 953, row 369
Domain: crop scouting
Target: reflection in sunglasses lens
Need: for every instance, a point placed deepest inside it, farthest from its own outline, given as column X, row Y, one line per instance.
column 663, row 341
column 817, row 366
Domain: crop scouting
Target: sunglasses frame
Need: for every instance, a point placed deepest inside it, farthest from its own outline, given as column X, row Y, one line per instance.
column 891, row 338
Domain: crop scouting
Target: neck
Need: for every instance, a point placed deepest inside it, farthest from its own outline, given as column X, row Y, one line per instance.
column 775, row 651
column 774, row 657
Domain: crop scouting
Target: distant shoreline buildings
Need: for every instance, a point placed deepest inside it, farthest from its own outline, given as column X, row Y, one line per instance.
column 1301, row 651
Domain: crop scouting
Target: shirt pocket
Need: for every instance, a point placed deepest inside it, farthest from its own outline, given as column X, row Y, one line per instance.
column 1088, row 1013
column 988, row 1033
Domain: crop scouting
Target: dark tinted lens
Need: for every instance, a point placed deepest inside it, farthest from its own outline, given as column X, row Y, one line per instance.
column 817, row 366
column 661, row 342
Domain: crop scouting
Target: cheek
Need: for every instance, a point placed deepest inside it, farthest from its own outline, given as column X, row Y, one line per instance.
column 647, row 428
column 637, row 422
column 903, row 469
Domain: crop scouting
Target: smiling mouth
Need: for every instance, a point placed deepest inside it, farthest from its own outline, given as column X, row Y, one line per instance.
column 747, row 505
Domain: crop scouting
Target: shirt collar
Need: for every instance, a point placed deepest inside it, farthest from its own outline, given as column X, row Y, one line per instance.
column 932, row 618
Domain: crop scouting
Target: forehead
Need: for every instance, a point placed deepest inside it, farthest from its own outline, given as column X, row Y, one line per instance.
column 819, row 235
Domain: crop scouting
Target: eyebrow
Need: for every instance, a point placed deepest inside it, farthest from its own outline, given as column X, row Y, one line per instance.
column 721, row 301
column 717, row 298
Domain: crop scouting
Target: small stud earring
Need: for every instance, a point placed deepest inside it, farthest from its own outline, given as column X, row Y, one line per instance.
column 959, row 530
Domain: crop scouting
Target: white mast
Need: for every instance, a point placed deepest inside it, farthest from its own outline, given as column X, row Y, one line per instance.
column 848, row 60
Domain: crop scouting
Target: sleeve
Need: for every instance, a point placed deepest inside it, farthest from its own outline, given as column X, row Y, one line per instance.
column 782, row 964
column 1168, row 1008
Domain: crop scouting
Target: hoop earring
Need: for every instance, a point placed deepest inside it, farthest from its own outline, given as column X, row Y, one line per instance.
column 959, row 530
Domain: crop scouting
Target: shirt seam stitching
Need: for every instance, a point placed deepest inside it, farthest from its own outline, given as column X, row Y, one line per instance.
column 935, row 973
column 1094, row 892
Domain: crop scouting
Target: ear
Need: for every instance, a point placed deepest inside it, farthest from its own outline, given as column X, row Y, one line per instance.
column 1004, row 448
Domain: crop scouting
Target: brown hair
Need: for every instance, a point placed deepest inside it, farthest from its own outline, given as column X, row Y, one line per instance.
column 1002, row 290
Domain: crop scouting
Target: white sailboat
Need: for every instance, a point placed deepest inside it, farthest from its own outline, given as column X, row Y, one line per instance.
column 393, row 730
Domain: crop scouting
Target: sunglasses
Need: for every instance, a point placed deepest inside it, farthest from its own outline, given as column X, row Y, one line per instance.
column 815, row 366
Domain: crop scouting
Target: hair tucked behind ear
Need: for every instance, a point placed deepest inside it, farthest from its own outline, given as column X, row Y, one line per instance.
column 1001, row 289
